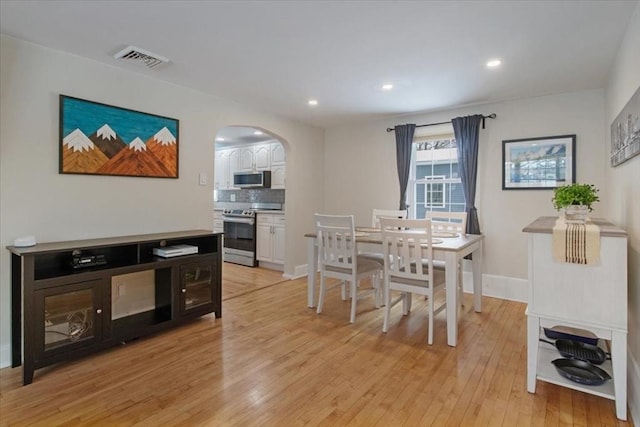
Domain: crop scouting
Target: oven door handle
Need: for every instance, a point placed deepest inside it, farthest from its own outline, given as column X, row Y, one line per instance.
column 239, row 220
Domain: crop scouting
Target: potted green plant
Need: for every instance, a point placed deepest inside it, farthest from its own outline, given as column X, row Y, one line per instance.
column 576, row 199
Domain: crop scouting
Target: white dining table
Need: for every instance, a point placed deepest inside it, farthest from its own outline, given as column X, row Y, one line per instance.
column 449, row 249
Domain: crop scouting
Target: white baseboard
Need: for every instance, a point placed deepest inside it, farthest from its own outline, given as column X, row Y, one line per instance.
column 271, row 266
column 633, row 388
column 509, row 288
column 5, row 355
column 299, row 271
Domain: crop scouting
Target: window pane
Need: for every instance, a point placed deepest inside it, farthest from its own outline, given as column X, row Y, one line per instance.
column 435, row 185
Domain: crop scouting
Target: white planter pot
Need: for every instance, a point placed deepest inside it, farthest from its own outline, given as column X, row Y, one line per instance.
column 576, row 214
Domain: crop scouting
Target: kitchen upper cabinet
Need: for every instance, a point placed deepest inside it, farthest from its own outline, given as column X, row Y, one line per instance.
column 278, row 175
column 234, row 163
column 255, row 158
column 262, row 157
column 267, row 156
column 222, row 170
column 278, row 162
column 277, row 154
column 226, row 165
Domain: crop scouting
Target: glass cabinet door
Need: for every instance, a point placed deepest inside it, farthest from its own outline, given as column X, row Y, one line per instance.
column 68, row 316
column 197, row 281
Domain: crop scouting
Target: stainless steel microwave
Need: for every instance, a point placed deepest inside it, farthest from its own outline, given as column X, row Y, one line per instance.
column 260, row 179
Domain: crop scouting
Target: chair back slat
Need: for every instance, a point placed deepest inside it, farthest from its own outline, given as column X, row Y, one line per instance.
column 386, row 213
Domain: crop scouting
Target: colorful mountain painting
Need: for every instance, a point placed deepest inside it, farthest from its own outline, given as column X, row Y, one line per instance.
column 119, row 142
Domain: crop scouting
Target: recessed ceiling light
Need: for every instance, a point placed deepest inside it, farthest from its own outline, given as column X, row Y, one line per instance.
column 387, row 86
column 220, row 139
column 494, row 63
column 313, row 102
column 257, row 132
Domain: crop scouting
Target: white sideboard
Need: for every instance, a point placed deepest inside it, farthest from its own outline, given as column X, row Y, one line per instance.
column 590, row 297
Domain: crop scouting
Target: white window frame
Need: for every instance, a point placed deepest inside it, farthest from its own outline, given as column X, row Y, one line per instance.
column 411, row 188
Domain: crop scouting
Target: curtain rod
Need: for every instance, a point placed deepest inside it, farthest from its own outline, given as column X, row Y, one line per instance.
column 490, row 116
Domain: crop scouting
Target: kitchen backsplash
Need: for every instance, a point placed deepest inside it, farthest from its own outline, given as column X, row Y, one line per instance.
column 250, row 195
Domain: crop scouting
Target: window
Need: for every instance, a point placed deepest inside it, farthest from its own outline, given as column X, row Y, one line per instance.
column 434, row 183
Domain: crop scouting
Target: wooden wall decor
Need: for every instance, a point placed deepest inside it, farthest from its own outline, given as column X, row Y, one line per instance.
column 100, row 139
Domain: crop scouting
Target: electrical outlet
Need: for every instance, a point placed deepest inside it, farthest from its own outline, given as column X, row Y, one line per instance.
column 203, row 178
column 233, row 197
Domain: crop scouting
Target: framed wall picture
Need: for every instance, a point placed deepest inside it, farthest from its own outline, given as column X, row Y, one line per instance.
column 538, row 163
column 100, row 139
column 625, row 132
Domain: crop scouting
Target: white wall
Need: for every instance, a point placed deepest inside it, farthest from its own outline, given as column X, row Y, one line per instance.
column 35, row 199
column 360, row 168
column 623, row 183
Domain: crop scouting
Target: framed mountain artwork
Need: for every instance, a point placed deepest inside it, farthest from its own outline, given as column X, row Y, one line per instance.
column 100, row 139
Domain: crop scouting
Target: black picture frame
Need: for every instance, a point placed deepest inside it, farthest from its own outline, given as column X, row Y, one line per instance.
column 541, row 163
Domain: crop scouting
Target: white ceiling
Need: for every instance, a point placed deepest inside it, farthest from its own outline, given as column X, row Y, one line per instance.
column 275, row 55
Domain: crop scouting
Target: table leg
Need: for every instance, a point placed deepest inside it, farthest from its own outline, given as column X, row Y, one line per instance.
column 476, row 266
column 451, row 273
column 312, row 267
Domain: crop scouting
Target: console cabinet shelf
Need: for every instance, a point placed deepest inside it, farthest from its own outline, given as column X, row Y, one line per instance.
column 74, row 298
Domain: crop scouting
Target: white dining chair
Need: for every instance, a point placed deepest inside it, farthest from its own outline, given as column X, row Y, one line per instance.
column 446, row 223
column 405, row 243
column 338, row 258
column 375, row 223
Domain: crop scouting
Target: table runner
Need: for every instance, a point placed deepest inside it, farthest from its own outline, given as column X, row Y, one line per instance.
column 576, row 243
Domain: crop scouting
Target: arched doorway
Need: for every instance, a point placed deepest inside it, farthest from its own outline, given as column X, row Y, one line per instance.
column 250, row 151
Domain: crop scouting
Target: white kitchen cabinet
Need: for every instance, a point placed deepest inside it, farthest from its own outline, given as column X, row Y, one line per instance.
column 266, row 156
column 262, row 157
column 278, row 176
column 270, row 237
column 218, row 222
column 591, row 297
column 234, row 161
column 277, row 154
column 221, row 180
column 225, row 166
column 255, row 158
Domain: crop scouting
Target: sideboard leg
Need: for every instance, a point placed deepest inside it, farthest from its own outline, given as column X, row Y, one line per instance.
column 533, row 336
column 619, row 362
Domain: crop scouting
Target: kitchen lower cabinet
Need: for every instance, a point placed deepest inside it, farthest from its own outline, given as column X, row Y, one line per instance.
column 70, row 299
column 270, row 232
column 218, row 222
column 588, row 297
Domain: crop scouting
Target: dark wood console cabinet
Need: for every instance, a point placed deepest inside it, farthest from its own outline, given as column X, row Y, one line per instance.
column 63, row 309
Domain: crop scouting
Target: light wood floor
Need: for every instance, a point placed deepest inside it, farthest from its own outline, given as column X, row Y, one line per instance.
column 271, row 361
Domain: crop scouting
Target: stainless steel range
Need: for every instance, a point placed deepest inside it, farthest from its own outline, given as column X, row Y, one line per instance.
column 240, row 232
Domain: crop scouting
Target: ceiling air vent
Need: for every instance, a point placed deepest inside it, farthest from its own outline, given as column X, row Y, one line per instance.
column 140, row 56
